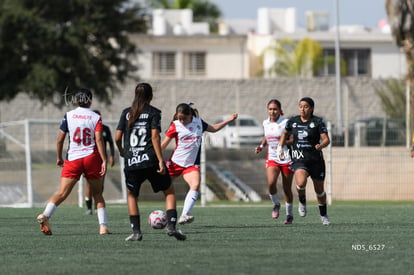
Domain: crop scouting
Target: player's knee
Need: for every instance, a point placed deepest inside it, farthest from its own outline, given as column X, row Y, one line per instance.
column 321, row 195
column 300, row 188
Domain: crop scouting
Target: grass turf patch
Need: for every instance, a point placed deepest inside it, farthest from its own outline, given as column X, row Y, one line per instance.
column 364, row 238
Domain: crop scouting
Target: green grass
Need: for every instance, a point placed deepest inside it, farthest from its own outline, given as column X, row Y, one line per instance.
column 224, row 239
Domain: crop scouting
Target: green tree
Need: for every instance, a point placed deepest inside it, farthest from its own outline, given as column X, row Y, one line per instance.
column 203, row 10
column 295, row 58
column 302, row 59
column 47, row 47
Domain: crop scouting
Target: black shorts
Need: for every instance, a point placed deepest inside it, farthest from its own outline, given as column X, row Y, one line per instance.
column 135, row 178
column 315, row 169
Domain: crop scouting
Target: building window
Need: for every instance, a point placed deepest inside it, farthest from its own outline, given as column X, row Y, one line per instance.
column 356, row 61
column 194, row 64
column 163, row 63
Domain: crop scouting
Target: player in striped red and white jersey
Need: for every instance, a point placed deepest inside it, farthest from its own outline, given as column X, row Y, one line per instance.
column 85, row 155
column 187, row 130
column 273, row 127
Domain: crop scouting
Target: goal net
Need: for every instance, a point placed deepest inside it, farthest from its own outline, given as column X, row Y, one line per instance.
column 28, row 172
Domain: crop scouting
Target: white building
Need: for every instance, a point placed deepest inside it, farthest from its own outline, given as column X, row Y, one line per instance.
column 176, row 47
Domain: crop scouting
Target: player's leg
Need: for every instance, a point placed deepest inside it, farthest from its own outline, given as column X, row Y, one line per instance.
column 96, row 188
column 301, row 176
column 272, row 173
column 193, row 179
column 88, row 198
column 133, row 183
column 287, row 177
column 170, row 207
column 66, row 186
column 321, row 197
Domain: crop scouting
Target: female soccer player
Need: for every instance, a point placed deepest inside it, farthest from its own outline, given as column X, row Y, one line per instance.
column 187, row 130
column 138, row 141
column 273, row 128
column 310, row 136
column 86, row 155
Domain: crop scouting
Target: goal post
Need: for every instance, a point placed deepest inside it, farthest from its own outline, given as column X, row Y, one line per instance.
column 28, row 172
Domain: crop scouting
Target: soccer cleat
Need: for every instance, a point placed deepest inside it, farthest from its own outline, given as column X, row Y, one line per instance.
column 302, row 209
column 185, row 219
column 103, row 230
column 134, row 237
column 325, row 220
column 177, row 234
column 289, row 220
column 88, row 212
column 275, row 212
column 44, row 224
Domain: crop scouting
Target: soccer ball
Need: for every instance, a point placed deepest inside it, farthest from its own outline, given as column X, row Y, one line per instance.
column 157, row 219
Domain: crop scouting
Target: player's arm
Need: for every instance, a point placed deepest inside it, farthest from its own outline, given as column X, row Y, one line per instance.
column 165, row 142
column 59, row 148
column 156, row 143
column 118, row 142
column 219, row 126
column 324, row 142
column 282, row 142
column 263, row 143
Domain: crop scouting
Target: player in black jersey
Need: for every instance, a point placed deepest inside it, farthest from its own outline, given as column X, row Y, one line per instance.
column 310, row 136
column 138, row 141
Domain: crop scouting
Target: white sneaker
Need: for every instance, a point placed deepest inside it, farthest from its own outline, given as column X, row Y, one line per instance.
column 186, row 219
column 325, row 220
column 302, row 209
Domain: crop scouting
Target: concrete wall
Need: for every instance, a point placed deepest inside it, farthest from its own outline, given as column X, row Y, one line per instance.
column 217, row 97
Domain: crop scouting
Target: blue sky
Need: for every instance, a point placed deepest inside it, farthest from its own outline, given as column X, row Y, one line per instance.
column 351, row 12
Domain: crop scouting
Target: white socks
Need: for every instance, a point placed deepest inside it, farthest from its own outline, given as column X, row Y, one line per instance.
column 189, row 202
column 50, row 209
column 274, row 198
column 102, row 215
column 289, row 209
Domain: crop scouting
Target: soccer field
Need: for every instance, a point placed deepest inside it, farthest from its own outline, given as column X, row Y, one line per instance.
column 363, row 238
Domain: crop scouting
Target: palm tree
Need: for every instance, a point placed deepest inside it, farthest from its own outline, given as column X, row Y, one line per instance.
column 203, row 10
column 301, row 59
column 392, row 95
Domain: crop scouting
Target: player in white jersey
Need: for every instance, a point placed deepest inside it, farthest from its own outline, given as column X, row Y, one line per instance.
column 187, row 130
column 273, row 129
column 85, row 155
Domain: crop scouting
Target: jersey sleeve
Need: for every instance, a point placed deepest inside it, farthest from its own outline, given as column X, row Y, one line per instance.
column 64, row 124
column 98, row 127
column 288, row 126
column 322, row 127
column 204, row 125
column 172, row 131
column 122, row 121
column 109, row 139
column 156, row 121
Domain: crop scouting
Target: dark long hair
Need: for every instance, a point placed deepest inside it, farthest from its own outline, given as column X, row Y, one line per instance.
column 143, row 95
column 277, row 102
column 185, row 109
column 83, row 97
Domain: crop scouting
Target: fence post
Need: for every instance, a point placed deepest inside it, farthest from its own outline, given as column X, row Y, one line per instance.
column 329, row 170
column 203, row 172
column 28, row 155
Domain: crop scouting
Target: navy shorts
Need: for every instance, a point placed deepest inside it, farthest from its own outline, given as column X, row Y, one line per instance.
column 315, row 169
column 135, row 178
